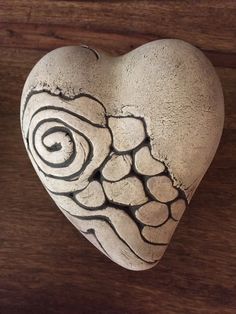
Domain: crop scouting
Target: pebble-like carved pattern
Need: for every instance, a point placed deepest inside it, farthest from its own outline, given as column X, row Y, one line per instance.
column 77, row 151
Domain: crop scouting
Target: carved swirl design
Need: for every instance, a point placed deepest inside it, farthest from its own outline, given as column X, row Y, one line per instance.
column 100, row 171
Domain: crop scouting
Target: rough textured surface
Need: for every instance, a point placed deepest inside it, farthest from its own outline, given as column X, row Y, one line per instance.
column 117, row 167
column 127, row 132
column 152, row 213
column 162, row 188
column 146, row 164
column 128, row 191
column 162, row 233
column 92, row 195
column 45, row 265
column 177, row 209
column 161, row 103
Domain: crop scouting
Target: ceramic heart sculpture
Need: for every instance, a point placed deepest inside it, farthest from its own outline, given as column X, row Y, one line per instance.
column 121, row 143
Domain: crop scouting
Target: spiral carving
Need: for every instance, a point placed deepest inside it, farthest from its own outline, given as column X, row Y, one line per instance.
column 100, row 171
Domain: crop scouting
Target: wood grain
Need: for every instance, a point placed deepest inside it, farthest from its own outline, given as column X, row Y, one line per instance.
column 46, row 266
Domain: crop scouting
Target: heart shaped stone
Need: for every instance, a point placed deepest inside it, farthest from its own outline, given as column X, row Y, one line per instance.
column 121, row 143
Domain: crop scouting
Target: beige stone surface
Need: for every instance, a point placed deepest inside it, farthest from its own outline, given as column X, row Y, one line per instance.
column 160, row 234
column 152, row 213
column 127, row 133
column 128, row 191
column 162, row 188
column 146, row 164
column 91, row 196
column 177, row 208
column 117, row 167
column 109, row 137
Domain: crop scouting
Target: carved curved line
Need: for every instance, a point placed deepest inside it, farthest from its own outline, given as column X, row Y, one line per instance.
column 122, row 208
column 33, row 92
column 69, row 112
column 107, row 220
column 127, row 209
column 90, row 156
column 92, row 50
column 91, row 231
column 49, row 132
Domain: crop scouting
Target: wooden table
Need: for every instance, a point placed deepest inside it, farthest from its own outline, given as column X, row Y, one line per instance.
column 46, row 266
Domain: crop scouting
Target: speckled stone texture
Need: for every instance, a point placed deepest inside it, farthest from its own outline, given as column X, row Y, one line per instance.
column 121, row 143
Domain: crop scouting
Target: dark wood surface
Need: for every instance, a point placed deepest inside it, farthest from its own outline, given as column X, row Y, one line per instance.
column 46, row 266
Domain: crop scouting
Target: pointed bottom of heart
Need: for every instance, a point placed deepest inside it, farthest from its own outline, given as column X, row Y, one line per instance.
column 130, row 251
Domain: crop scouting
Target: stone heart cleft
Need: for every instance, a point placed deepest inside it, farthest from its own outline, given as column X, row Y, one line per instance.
column 121, row 143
